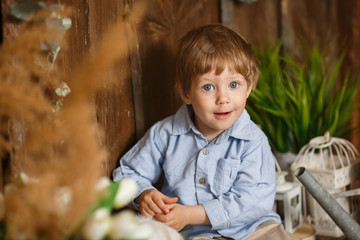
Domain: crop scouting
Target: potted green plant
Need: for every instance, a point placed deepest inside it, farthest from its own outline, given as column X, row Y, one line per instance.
column 296, row 101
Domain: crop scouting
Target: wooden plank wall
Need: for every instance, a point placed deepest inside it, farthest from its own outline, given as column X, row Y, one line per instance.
column 163, row 24
column 121, row 114
column 113, row 105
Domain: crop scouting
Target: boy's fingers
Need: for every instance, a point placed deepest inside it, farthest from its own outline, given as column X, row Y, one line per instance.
column 170, row 206
column 165, row 200
column 164, row 209
column 155, row 208
column 147, row 214
column 169, row 200
column 162, row 218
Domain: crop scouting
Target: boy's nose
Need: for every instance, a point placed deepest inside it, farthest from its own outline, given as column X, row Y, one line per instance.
column 222, row 98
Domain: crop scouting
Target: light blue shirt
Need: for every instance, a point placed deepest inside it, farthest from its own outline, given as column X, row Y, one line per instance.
column 233, row 177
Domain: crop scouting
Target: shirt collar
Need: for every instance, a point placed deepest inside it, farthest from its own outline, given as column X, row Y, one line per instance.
column 243, row 128
column 183, row 120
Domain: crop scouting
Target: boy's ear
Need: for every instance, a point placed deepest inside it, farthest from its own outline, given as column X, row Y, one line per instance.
column 183, row 96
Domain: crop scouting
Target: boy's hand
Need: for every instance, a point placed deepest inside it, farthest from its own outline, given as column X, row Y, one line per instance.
column 177, row 218
column 153, row 202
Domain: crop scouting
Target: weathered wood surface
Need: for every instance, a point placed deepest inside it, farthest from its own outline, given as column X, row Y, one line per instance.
column 9, row 26
column 353, row 57
column 9, row 30
column 258, row 22
column 113, row 105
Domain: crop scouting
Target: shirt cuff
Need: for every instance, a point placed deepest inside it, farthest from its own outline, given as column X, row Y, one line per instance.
column 143, row 187
column 216, row 214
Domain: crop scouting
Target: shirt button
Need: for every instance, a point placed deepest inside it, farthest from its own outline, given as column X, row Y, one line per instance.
column 202, row 180
column 205, row 151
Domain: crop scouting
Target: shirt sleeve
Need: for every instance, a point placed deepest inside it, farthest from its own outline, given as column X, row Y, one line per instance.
column 143, row 162
column 251, row 195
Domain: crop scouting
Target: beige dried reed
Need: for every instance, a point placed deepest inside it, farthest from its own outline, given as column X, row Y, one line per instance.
column 60, row 151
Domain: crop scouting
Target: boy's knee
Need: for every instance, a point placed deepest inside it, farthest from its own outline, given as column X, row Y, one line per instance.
column 271, row 230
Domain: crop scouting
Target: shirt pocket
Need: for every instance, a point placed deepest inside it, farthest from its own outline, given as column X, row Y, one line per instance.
column 225, row 175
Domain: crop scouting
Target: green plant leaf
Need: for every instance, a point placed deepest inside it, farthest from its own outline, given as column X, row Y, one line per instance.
column 297, row 100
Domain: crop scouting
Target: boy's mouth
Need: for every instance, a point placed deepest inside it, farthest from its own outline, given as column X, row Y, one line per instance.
column 222, row 114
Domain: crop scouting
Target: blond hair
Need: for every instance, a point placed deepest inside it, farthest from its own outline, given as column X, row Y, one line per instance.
column 213, row 47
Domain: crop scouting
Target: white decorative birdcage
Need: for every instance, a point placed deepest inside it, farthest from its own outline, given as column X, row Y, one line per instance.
column 334, row 163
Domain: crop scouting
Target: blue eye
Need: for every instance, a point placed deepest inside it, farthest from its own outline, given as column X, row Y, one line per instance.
column 208, row 87
column 234, row 85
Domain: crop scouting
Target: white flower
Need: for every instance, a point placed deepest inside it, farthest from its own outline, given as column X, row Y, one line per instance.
column 2, row 207
column 123, row 225
column 102, row 184
column 126, row 192
column 97, row 225
column 24, row 177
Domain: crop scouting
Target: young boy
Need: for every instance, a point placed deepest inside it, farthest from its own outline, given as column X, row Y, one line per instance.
column 219, row 172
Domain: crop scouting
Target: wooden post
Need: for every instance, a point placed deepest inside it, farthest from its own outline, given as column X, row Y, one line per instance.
column 9, row 30
column 227, row 13
column 136, row 74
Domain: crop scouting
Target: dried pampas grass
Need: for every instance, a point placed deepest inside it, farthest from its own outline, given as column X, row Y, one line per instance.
column 59, row 151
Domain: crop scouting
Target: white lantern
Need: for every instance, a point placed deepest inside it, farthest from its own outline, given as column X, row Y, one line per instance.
column 288, row 205
column 287, row 201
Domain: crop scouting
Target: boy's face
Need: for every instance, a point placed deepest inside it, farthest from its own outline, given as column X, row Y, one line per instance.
column 218, row 101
